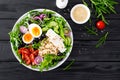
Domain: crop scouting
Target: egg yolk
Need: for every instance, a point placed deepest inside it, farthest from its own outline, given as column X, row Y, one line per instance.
column 27, row 37
column 35, row 31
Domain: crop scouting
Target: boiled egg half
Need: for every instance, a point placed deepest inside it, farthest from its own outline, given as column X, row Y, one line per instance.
column 27, row 38
column 35, row 30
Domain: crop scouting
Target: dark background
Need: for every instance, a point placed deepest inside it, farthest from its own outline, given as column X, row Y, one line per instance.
column 90, row 63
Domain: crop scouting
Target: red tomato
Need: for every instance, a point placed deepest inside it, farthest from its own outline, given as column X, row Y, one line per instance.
column 100, row 25
column 25, row 51
column 35, row 52
column 28, row 55
column 23, row 56
column 27, row 59
column 31, row 49
column 20, row 51
column 28, row 62
column 32, row 57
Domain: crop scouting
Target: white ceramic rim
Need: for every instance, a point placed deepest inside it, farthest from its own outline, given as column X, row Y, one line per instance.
column 88, row 16
column 67, row 54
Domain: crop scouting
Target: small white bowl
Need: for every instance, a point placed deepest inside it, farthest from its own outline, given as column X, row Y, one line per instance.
column 88, row 15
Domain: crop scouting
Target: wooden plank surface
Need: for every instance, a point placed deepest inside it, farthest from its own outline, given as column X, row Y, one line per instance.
column 78, row 30
column 82, row 51
column 90, row 63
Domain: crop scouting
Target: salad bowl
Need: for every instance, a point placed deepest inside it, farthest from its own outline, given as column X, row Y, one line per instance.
column 36, row 30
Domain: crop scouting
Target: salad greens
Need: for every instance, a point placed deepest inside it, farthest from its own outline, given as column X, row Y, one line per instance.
column 49, row 21
column 50, row 60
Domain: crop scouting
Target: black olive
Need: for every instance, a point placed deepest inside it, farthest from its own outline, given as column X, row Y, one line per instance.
column 60, row 54
column 50, row 15
column 42, row 37
column 21, row 45
column 36, row 40
column 29, row 22
column 20, row 34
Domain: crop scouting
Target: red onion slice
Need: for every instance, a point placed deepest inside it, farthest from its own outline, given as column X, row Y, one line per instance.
column 42, row 16
column 38, row 60
column 37, row 17
column 23, row 29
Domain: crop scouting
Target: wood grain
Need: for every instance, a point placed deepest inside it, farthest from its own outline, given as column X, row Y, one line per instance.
column 90, row 63
column 79, row 71
column 79, row 31
column 82, row 51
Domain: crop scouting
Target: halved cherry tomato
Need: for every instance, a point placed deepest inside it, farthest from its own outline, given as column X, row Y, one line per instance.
column 32, row 57
column 27, row 59
column 35, row 52
column 23, row 56
column 20, row 51
column 25, row 51
column 28, row 62
column 28, row 55
column 31, row 49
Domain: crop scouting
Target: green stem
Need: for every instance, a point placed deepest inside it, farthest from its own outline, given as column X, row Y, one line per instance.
column 69, row 65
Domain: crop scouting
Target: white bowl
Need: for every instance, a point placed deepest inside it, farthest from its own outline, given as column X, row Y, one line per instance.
column 87, row 9
column 61, row 62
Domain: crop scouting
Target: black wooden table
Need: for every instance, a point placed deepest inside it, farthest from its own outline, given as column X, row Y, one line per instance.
column 90, row 63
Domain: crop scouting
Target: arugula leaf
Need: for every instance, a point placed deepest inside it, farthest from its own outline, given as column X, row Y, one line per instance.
column 36, row 45
column 49, row 61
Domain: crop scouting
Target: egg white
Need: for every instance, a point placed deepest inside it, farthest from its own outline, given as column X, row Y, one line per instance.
column 26, row 41
column 31, row 26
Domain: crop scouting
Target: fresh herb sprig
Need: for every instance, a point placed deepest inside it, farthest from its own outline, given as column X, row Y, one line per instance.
column 102, row 7
column 102, row 40
column 91, row 30
column 69, row 65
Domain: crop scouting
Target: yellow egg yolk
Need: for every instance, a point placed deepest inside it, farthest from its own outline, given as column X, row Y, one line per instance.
column 27, row 37
column 35, row 31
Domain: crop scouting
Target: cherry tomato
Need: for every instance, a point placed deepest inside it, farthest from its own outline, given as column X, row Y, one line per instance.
column 28, row 55
column 25, row 51
column 23, row 56
column 20, row 51
column 27, row 59
column 28, row 62
column 31, row 49
column 32, row 57
column 35, row 52
column 100, row 25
